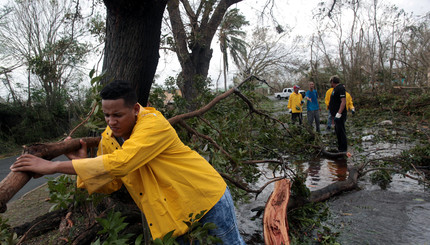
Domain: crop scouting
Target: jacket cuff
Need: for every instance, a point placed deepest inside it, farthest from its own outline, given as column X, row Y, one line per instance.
column 91, row 172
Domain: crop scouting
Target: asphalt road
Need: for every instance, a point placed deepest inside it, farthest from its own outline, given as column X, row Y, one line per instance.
column 5, row 163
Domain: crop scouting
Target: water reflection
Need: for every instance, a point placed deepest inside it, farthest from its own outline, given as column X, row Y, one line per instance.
column 322, row 172
column 338, row 169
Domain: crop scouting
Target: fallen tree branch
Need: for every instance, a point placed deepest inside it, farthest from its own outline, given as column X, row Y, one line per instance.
column 14, row 181
column 174, row 120
column 253, row 110
column 193, row 131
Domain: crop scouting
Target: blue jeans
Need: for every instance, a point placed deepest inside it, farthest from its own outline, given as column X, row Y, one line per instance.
column 224, row 217
column 329, row 119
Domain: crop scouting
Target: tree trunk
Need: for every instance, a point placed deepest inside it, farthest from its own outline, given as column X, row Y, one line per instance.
column 195, row 63
column 133, row 29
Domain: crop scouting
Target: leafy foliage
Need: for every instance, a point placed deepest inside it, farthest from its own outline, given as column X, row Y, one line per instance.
column 113, row 225
column 381, row 178
column 63, row 192
column 168, row 239
column 7, row 236
column 306, row 225
column 200, row 232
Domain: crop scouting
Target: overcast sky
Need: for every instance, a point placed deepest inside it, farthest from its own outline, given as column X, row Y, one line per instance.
column 297, row 14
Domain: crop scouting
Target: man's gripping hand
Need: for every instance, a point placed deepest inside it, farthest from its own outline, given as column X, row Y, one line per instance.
column 31, row 163
column 81, row 153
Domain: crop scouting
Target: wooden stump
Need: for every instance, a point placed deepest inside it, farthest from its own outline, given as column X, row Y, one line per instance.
column 275, row 225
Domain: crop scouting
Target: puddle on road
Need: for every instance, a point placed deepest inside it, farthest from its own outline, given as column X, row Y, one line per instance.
column 398, row 215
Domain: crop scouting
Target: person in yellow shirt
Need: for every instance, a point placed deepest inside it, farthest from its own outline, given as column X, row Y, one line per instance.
column 295, row 103
column 349, row 106
column 141, row 150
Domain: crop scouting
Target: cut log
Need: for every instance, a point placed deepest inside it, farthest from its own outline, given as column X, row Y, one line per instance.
column 14, row 181
column 50, row 151
column 275, row 225
column 10, row 185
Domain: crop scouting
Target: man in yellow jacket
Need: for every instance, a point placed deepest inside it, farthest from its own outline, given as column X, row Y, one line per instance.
column 295, row 103
column 140, row 150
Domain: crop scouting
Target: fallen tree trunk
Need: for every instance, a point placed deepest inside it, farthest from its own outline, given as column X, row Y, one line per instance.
column 323, row 194
column 14, row 181
column 275, row 224
column 336, row 188
column 329, row 191
column 42, row 224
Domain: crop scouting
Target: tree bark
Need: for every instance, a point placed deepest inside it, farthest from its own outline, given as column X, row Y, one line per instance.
column 275, row 224
column 42, row 224
column 194, row 51
column 14, row 181
column 133, row 29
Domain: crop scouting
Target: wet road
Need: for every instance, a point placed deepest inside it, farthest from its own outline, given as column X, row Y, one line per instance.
column 33, row 183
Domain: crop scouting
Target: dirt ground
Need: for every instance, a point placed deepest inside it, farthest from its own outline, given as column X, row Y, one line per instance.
column 30, row 206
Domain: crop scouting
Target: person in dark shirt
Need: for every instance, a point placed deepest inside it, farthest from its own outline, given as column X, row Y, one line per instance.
column 337, row 110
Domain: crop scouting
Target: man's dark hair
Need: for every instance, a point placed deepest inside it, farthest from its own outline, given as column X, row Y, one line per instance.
column 120, row 89
column 335, row 79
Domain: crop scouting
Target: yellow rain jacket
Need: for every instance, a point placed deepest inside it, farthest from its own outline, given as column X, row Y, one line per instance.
column 295, row 100
column 327, row 96
column 165, row 178
column 349, row 104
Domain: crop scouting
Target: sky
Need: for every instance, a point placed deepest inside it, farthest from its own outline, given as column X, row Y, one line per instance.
column 297, row 14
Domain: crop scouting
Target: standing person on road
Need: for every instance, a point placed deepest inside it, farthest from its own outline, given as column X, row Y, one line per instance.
column 313, row 107
column 295, row 102
column 141, row 150
column 337, row 107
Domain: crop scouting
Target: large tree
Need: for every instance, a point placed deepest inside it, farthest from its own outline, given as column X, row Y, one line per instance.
column 193, row 40
column 133, row 29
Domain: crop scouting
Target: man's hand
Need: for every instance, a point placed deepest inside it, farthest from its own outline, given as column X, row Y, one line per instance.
column 31, row 163
column 353, row 111
column 79, row 154
column 337, row 117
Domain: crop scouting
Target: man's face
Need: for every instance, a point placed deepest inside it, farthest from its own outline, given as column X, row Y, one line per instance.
column 332, row 84
column 311, row 86
column 296, row 90
column 120, row 118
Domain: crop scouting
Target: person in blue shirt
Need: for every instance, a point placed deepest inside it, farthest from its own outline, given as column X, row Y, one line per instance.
column 313, row 107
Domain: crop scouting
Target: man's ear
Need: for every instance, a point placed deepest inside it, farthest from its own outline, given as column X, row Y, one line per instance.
column 136, row 108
